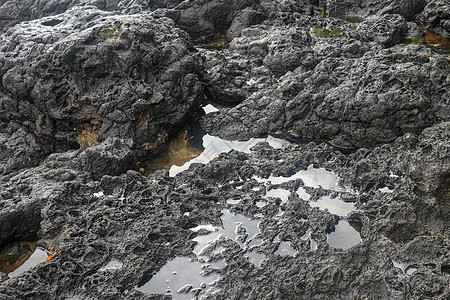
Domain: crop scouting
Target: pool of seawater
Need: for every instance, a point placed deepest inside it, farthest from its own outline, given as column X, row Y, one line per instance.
column 438, row 43
column 113, row 264
column 193, row 146
column 236, row 227
column 182, row 278
column 312, row 177
column 312, row 242
column 17, row 258
column 186, row 277
column 213, row 146
column 285, row 249
column 180, row 150
column 334, row 205
column 219, row 42
column 209, row 108
column 344, row 236
column 405, row 269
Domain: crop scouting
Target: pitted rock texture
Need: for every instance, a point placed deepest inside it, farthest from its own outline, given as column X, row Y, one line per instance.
column 361, row 9
column 143, row 222
column 15, row 11
column 353, row 103
column 204, row 19
column 88, row 88
column 96, row 75
column 436, row 16
column 256, row 58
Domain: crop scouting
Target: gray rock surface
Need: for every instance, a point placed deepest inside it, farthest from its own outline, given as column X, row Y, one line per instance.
column 96, row 75
column 89, row 89
column 361, row 9
column 371, row 100
column 436, row 16
column 143, row 223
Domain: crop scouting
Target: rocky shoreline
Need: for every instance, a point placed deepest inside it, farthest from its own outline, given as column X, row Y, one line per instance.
column 347, row 198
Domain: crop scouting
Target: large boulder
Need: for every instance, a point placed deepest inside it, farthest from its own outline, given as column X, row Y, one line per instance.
column 351, row 102
column 112, row 157
column 16, row 11
column 95, row 75
column 257, row 56
column 351, row 9
column 436, row 16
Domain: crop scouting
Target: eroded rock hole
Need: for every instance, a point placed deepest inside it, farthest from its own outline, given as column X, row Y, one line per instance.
column 442, row 192
column 52, row 22
column 445, row 269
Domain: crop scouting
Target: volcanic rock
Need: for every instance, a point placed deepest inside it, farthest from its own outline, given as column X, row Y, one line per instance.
column 96, row 75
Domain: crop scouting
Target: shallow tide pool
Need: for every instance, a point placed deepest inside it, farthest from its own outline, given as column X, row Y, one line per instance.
column 344, row 236
column 213, row 146
column 17, row 258
column 190, row 277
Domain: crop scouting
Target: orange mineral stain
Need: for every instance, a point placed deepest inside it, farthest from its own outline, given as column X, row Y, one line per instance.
column 54, row 255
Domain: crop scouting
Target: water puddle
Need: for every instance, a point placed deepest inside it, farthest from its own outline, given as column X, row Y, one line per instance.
column 344, row 236
column 213, row 146
column 209, row 109
column 256, row 258
column 187, row 278
column 236, row 227
column 285, row 249
column 313, row 245
column 180, row 150
column 315, row 178
column 278, row 193
column 220, row 42
column 406, row 270
column 398, row 265
column 213, row 107
column 312, row 242
column 410, row 270
column 183, row 278
column 386, row 190
column 301, row 192
column 114, row 264
column 192, row 146
column 335, row 206
column 234, row 201
column 16, row 258
column 438, row 43
column 98, row 194
column 312, row 177
column 260, row 203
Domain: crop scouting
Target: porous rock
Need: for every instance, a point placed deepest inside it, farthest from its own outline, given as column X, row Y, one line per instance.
column 436, row 16
column 361, row 9
column 144, row 222
column 96, row 75
column 359, row 106
column 79, row 80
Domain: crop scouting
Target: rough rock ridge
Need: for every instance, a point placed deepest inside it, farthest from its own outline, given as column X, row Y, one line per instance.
column 89, row 87
column 92, row 76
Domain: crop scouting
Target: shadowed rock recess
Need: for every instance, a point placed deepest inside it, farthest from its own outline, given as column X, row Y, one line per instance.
column 346, row 197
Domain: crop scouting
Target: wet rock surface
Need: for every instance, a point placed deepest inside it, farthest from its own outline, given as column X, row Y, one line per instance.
column 96, row 76
column 88, row 88
column 436, row 15
column 145, row 221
